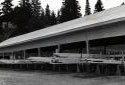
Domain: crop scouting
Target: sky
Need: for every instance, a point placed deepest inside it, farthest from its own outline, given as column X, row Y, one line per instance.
column 56, row 4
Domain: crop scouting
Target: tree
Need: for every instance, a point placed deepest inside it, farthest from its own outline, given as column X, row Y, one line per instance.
column 7, row 31
column 70, row 10
column 6, row 18
column 36, row 7
column 7, row 7
column 58, row 16
column 35, row 21
column 24, row 3
column 53, row 18
column 7, row 10
column 42, row 14
column 47, row 16
column 42, row 19
column 99, row 6
column 123, row 3
column 87, row 8
column 22, row 15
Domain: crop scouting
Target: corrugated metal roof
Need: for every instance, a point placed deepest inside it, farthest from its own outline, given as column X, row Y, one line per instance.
column 107, row 15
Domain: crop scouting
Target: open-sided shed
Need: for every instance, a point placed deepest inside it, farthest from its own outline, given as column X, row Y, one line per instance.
column 100, row 31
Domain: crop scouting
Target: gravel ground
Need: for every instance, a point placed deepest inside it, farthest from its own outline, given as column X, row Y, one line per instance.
column 9, row 77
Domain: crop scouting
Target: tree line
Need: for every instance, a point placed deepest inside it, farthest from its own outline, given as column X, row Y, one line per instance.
column 29, row 15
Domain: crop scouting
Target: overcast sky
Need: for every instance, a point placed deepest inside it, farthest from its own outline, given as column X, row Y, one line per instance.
column 56, row 4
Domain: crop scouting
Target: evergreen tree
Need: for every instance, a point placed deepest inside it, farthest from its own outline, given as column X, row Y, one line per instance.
column 47, row 11
column 24, row 3
column 70, row 10
column 36, row 7
column 7, row 17
column 99, row 6
column 47, row 16
column 42, row 19
column 35, row 21
column 42, row 13
column 58, row 16
column 123, row 3
column 53, row 18
column 22, row 16
column 87, row 8
column 7, row 10
column 7, row 7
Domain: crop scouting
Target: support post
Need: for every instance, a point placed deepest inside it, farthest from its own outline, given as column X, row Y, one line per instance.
column 24, row 54
column 39, row 52
column 3, row 55
column 78, row 70
column 98, row 69
column 87, row 46
column 88, row 67
column 13, row 57
column 122, row 58
column 105, row 50
column 58, row 48
column 67, row 67
column 53, row 67
column 118, row 71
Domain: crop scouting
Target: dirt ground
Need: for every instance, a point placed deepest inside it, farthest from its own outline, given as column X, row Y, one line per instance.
column 9, row 77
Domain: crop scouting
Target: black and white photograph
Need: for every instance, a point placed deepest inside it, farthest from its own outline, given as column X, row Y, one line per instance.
column 62, row 42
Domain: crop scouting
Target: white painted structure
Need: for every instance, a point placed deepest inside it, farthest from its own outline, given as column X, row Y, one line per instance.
column 103, row 25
